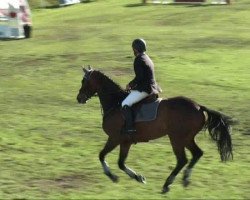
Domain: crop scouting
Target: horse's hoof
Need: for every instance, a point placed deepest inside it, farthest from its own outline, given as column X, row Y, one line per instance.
column 141, row 179
column 165, row 190
column 185, row 182
column 114, row 178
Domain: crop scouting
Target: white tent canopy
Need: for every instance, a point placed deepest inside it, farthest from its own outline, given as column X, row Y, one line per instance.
column 68, row 2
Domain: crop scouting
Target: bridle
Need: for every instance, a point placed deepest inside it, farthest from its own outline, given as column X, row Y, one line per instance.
column 87, row 78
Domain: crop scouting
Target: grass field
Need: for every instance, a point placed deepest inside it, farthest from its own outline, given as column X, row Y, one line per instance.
column 49, row 144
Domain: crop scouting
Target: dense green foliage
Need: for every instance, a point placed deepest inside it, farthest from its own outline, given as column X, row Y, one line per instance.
column 49, row 144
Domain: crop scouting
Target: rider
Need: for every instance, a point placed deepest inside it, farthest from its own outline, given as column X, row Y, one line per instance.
column 142, row 85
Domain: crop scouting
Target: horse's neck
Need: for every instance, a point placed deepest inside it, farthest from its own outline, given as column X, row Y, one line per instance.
column 110, row 96
column 108, row 102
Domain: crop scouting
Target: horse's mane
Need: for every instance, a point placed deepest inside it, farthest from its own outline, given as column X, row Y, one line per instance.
column 110, row 88
column 108, row 82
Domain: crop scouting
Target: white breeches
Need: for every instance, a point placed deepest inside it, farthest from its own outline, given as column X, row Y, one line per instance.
column 134, row 97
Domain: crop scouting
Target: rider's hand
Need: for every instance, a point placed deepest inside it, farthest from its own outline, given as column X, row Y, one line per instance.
column 128, row 87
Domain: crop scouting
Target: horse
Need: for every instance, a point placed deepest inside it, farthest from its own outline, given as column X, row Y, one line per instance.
column 178, row 117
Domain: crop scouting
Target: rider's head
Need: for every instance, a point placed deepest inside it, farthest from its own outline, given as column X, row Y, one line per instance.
column 139, row 46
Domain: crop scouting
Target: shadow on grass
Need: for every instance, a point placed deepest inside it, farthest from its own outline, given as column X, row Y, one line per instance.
column 88, row 1
column 52, row 7
column 175, row 4
column 205, row 5
column 136, row 5
column 11, row 39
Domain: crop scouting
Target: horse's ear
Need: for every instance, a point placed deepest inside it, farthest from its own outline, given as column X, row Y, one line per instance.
column 89, row 68
column 84, row 70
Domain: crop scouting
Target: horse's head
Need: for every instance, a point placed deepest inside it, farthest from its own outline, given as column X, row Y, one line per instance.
column 89, row 86
column 95, row 82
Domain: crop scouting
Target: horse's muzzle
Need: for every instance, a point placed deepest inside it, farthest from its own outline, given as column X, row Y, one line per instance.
column 81, row 99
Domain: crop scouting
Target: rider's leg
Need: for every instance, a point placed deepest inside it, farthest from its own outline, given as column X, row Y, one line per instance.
column 129, row 120
column 134, row 97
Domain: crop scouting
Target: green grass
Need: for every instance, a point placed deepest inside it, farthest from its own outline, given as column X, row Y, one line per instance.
column 49, row 144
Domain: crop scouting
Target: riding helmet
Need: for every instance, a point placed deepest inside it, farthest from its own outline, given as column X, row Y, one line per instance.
column 139, row 45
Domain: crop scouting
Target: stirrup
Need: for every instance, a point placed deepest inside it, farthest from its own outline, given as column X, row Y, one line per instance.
column 128, row 131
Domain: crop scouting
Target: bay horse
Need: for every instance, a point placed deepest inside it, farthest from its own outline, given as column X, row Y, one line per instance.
column 179, row 117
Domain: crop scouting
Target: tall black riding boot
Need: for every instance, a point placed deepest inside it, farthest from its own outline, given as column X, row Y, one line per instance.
column 129, row 121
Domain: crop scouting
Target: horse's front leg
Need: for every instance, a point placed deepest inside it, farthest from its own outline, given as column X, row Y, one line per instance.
column 124, row 149
column 109, row 146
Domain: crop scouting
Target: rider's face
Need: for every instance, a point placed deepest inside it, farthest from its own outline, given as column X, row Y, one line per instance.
column 135, row 52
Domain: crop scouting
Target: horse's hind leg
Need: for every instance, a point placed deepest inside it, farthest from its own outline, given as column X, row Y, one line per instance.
column 179, row 151
column 196, row 153
column 124, row 149
column 109, row 146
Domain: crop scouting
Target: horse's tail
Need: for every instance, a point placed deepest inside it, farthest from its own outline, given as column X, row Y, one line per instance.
column 219, row 128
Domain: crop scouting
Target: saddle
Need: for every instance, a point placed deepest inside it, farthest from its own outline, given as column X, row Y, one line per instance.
column 146, row 109
column 149, row 99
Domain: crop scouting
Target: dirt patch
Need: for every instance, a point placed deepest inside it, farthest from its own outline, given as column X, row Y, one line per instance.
column 74, row 181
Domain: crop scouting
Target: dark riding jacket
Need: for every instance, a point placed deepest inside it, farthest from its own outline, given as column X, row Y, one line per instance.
column 144, row 75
